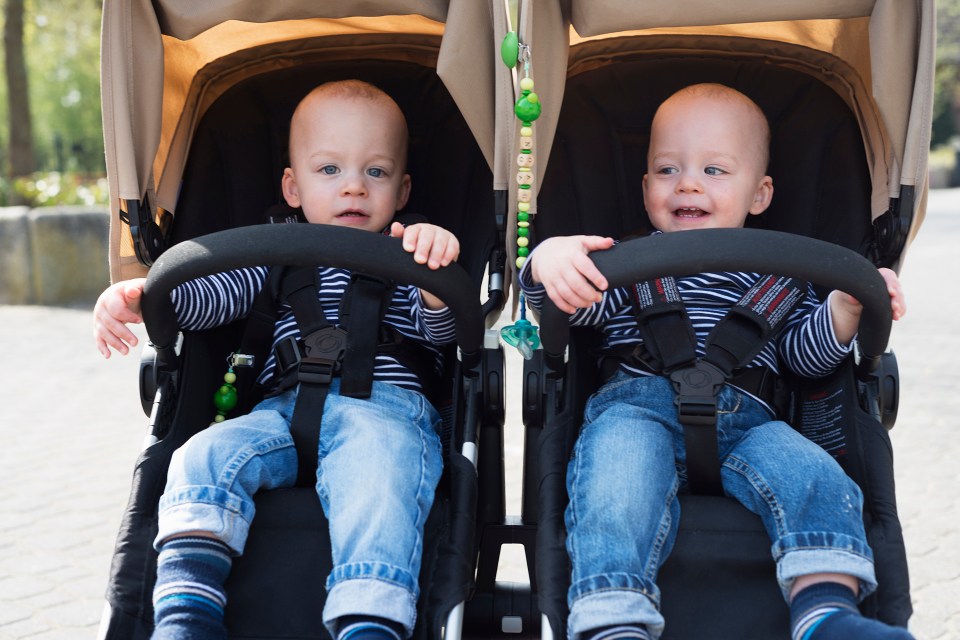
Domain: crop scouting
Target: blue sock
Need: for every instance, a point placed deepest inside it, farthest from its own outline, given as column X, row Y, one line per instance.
column 361, row 628
column 828, row 611
column 189, row 598
column 617, row 632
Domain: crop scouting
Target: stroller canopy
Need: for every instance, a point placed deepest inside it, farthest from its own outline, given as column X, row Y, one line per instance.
column 877, row 55
column 164, row 62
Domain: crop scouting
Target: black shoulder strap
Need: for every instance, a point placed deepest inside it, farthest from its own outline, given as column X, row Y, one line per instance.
column 761, row 312
column 663, row 324
column 257, row 337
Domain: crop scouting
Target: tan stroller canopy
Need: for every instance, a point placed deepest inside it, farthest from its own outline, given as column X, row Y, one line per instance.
column 164, row 62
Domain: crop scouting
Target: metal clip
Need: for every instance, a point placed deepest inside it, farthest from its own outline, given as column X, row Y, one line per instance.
column 240, row 360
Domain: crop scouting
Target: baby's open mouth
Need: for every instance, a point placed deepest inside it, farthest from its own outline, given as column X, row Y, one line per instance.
column 351, row 214
column 690, row 212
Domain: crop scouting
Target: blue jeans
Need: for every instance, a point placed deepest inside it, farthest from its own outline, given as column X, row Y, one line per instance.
column 628, row 466
column 380, row 461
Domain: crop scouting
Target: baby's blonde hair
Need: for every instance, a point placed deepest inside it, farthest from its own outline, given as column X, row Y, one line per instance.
column 716, row 91
column 358, row 90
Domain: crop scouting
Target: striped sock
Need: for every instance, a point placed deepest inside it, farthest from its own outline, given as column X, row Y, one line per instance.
column 189, row 598
column 359, row 628
column 828, row 611
column 618, row 632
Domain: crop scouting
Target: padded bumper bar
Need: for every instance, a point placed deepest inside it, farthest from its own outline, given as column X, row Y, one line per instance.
column 769, row 252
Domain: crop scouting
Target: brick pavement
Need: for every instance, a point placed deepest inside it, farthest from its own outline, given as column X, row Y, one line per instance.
column 71, row 427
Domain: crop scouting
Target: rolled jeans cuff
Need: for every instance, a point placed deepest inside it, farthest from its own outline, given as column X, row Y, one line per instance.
column 614, row 605
column 376, row 593
column 209, row 509
column 802, row 562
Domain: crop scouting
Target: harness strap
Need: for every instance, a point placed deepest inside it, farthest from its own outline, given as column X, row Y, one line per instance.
column 258, row 338
column 322, row 353
column 349, row 350
column 733, row 343
column 366, row 298
column 761, row 312
column 663, row 324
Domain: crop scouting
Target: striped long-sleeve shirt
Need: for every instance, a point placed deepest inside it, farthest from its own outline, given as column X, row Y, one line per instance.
column 222, row 298
column 806, row 343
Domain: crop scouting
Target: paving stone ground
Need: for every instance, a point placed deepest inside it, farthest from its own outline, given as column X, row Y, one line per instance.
column 71, row 427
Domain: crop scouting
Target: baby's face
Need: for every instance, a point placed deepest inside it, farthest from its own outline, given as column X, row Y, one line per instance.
column 346, row 161
column 704, row 166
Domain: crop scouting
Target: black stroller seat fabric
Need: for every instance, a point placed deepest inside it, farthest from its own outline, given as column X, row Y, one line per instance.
column 276, row 589
column 720, row 575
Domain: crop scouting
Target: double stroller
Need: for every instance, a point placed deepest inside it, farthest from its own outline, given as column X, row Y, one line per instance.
column 197, row 100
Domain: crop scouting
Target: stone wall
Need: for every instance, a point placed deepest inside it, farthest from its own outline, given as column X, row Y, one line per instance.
column 54, row 255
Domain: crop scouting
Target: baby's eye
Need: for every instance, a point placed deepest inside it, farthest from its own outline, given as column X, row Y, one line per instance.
column 667, row 170
column 714, row 171
column 375, row 172
column 329, row 169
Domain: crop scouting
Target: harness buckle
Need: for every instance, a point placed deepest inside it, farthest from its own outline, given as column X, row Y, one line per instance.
column 697, row 389
column 322, row 354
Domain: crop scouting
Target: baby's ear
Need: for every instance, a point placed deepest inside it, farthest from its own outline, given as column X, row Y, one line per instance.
column 288, row 185
column 403, row 192
column 763, row 196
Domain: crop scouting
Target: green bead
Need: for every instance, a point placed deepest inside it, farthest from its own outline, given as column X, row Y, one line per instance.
column 520, row 262
column 526, row 109
column 523, row 216
column 225, row 398
column 523, row 242
column 229, row 377
column 523, row 232
column 219, row 418
column 510, row 49
column 524, row 186
column 534, row 98
column 523, row 251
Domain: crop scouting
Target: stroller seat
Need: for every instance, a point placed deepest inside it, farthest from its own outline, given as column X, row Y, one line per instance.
column 721, row 561
column 231, row 179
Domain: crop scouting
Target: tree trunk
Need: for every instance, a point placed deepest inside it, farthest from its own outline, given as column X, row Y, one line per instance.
column 20, row 151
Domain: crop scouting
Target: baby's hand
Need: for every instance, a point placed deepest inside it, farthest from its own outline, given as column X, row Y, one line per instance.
column 846, row 309
column 430, row 245
column 118, row 305
column 568, row 275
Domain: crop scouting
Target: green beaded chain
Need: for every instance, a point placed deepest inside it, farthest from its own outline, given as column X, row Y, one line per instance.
column 523, row 334
column 527, row 110
column 225, row 398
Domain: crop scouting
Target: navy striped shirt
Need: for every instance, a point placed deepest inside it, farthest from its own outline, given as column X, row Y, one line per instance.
column 806, row 344
column 222, row 298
